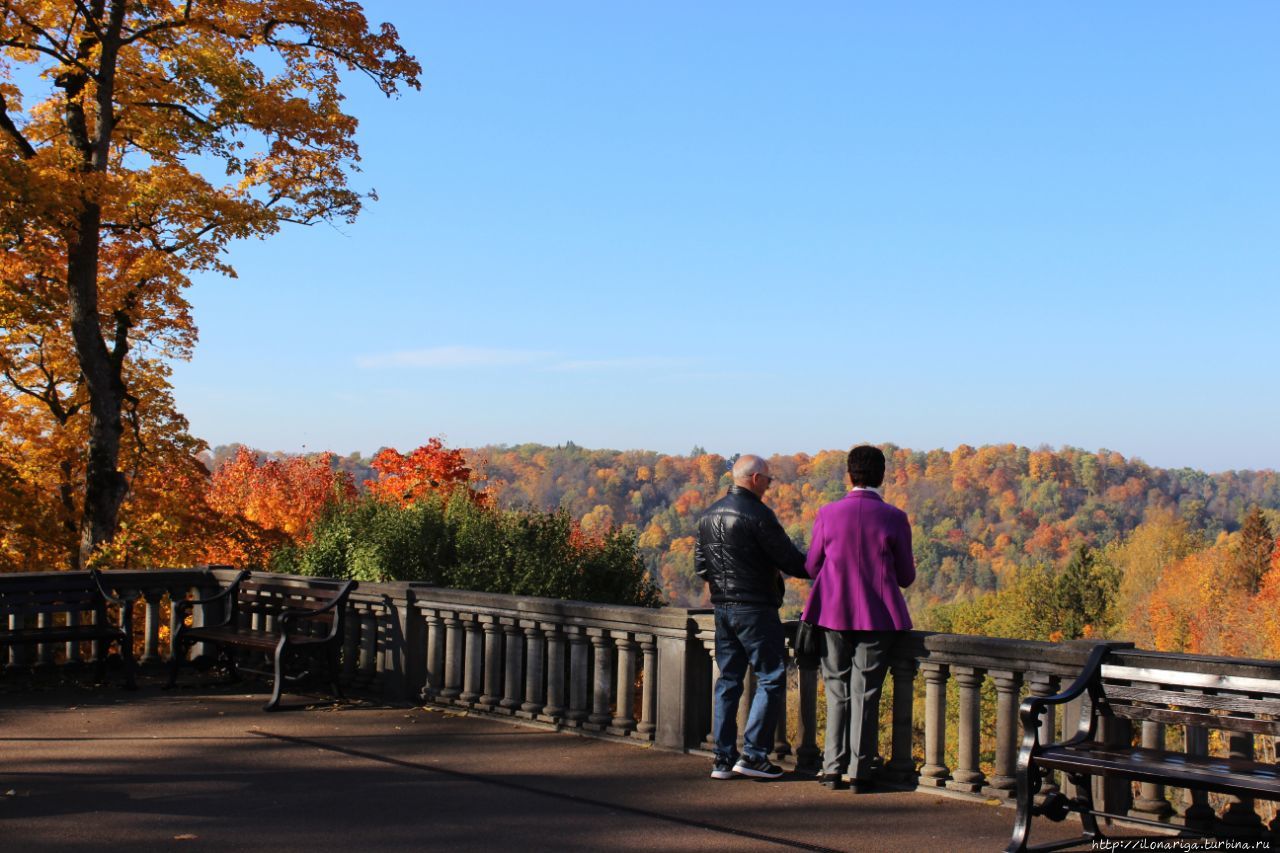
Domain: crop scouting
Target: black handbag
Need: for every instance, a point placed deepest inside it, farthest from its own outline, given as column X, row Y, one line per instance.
column 809, row 641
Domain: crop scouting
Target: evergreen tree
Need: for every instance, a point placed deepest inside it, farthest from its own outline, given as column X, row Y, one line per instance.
column 1254, row 547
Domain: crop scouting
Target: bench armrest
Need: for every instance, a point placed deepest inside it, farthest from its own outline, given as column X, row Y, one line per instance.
column 289, row 615
column 1033, row 707
column 96, row 574
column 187, row 603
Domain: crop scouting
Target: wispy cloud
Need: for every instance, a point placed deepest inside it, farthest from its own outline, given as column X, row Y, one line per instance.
column 445, row 358
column 460, row 357
column 611, row 364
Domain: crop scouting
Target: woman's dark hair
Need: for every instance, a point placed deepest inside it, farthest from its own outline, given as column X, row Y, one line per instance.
column 866, row 466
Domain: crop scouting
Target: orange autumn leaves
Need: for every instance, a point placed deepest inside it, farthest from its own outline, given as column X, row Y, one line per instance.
column 265, row 505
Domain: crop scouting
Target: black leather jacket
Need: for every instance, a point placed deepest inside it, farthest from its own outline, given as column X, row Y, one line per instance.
column 742, row 548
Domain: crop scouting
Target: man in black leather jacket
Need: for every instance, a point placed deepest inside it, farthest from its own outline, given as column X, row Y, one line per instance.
column 741, row 553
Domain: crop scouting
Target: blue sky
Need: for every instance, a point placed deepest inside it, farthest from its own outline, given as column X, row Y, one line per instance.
column 763, row 227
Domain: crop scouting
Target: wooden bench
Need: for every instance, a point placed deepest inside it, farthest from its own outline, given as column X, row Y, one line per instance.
column 282, row 618
column 1235, row 704
column 64, row 607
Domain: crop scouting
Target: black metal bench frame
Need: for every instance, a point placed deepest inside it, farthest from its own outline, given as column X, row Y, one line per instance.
column 36, row 601
column 1137, row 693
column 277, row 617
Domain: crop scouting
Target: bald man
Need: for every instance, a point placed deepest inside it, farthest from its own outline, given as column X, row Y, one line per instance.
column 741, row 553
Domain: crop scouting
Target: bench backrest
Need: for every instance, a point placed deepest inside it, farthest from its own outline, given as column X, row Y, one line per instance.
column 27, row 595
column 268, row 598
column 1228, row 702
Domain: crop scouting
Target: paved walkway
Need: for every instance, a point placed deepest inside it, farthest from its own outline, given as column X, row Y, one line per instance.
column 208, row 770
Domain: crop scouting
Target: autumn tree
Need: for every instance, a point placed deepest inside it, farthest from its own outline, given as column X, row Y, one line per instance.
column 427, row 470
column 265, row 504
column 137, row 139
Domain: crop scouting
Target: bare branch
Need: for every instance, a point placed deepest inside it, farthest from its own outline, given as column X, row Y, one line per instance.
column 7, row 125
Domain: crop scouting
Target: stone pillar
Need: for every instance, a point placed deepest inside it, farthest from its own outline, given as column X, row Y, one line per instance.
column 968, row 775
column 492, row 662
column 935, row 772
column 624, row 715
column 151, row 626
column 554, row 710
column 533, row 671
column 513, row 642
column 902, row 763
column 1240, row 814
column 579, row 676
column 1151, row 802
column 1004, row 782
column 1041, row 684
column 808, row 756
column 473, row 668
column 453, row 656
column 433, row 684
column 602, row 681
column 649, row 677
column 676, row 676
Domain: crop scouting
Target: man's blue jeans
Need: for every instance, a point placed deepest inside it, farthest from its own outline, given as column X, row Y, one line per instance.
column 748, row 634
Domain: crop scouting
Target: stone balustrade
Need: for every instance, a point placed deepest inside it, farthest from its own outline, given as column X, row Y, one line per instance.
column 646, row 676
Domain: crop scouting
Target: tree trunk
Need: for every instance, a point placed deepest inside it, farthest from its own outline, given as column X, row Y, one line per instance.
column 104, row 485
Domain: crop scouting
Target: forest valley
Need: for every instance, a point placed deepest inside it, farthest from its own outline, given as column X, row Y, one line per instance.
column 1009, row 541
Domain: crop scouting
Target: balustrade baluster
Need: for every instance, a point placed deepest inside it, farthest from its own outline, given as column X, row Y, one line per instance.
column 513, row 642
column 1151, row 802
column 533, row 670
column 454, row 646
column 73, row 647
column 554, row 710
column 434, row 683
column 968, row 775
column 808, row 755
column 602, row 680
column 649, row 695
column 708, row 740
column 151, row 625
column 1042, row 684
column 492, row 694
column 1199, row 814
column 1240, row 814
column 902, row 763
column 781, row 745
column 44, row 651
column 368, row 645
column 935, row 772
column 579, row 676
column 474, row 667
column 624, row 716
column 1004, row 783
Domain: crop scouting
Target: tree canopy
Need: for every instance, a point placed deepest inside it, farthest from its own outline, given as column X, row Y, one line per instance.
column 138, row 138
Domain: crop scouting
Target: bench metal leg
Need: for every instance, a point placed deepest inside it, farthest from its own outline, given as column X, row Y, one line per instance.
column 1022, row 823
column 331, row 658
column 278, row 687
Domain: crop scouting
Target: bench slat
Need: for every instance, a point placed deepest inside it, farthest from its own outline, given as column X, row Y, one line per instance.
column 1190, row 718
column 1229, row 775
column 1193, row 700
column 60, row 634
column 1203, row 680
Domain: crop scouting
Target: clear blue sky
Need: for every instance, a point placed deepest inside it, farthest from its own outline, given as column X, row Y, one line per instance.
column 784, row 227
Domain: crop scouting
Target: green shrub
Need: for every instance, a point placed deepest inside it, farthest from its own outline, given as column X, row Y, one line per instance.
column 462, row 545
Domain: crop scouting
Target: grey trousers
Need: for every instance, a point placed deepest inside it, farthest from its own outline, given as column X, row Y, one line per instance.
column 853, row 671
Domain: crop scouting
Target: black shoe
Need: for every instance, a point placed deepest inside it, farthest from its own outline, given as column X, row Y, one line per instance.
column 722, row 769
column 833, row 781
column 758, row 768
column 863, row 786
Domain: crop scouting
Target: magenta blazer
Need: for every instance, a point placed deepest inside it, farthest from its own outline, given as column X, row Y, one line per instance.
column 859, row 556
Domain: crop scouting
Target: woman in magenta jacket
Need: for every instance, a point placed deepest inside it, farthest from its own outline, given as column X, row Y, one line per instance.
column 860, row 559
